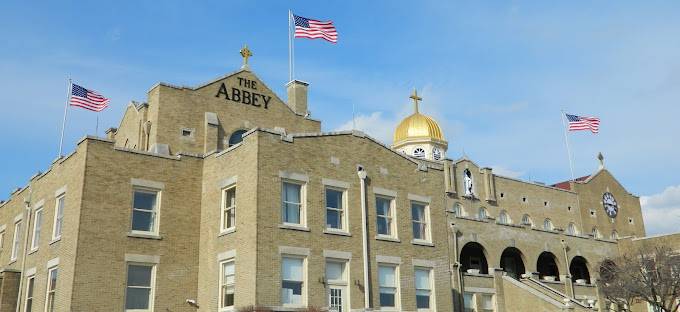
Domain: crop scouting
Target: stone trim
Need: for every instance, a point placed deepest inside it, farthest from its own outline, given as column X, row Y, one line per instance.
column 147, row 183
column 3, row 228
column 60, row 191
column 142, row 258
column 480, row 290
column 337, row 254
column 296, row 251
column 384, row 192
column 388, row 259
column 293, row 176
column 424, row 263
column 18, row 217
column 229, row 254
column 420, row 198
column 52, row 263
column 39, row 204
column 30, row 272
column 335, row 183
column 224, row 183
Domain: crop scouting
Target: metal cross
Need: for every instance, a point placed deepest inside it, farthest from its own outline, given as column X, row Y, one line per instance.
column 415, row 99
column 245, row 53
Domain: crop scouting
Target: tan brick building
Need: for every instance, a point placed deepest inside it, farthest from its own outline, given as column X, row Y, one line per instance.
column 221, row 196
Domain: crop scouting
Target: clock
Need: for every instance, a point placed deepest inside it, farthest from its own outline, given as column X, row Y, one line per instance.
column 610, row 205
column 436, row 154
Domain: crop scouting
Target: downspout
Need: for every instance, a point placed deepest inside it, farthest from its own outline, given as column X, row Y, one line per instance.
column 27, row 203
column 458, row 273
column 364, row 235
column 569, row 281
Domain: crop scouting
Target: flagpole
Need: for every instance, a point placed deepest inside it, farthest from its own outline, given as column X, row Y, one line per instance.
column 290, row 50
column 292, row 44
column 566, row 142
column 96, row 127
column 63, row 123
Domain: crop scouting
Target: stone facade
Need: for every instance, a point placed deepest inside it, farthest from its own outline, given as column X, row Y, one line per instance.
column 505, row 245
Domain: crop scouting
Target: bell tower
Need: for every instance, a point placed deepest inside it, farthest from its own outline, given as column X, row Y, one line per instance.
column 419, row 135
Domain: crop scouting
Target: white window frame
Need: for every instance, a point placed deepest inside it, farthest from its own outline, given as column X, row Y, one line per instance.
column 156, row 213
column 504, row 217
column 548, row 225
column 58, row 224
column 224, row 285
column 430, row 274
column 481, row 303
column 344, row 282
column 37, row 228
column 426, row 222
column 482, row 213
column 2, row 240
column 51, row 291
column 391, row 217
column 16, row 241
column 152, row 285
column 397, row 287
column 471, row 302
column 344, row 226
column 304, row 280
column 459, row 210
column 303, row 202
column 224, row 208
column 30, row 290
column 571, row 229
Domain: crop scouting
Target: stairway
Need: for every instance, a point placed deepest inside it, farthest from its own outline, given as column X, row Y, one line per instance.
column 529, row 294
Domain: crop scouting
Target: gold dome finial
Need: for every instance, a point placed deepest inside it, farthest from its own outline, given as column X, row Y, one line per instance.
column 415, row 99
column 245, row 53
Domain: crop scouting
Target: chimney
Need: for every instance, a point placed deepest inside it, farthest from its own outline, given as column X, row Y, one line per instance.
column 297, row 96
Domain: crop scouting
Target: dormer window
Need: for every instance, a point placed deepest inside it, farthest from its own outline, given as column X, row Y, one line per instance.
column 419, row 152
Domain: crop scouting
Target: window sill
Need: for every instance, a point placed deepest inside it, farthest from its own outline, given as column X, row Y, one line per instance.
column 336, row 232
column 12, row 261
column 225, row 232
column 229, row 309
column 144, row 235
column 387, row 238
column 32, row 251
column 296, row 227
column 422, row 243
column 54, row 240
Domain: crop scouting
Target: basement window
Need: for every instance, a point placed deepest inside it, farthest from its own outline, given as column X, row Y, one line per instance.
column 187, row 132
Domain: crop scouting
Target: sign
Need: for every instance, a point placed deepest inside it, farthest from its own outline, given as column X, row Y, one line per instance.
column 246, row 94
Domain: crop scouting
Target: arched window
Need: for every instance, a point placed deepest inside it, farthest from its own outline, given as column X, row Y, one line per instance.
column 473, row 258
column 512, row 263
column 467, row 181
column 571, row 229
column 615, row 235
column 547, row 267
column 596, row 233
column 526, row 220
column 579, row 270
column 419, row 152
column 482, row 215
column 458, row 210
column 548, row 225
column 236, row 137
column 503, row 218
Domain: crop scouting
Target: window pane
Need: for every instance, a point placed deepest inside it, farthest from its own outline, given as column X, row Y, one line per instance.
column 333, row 219
column 386, row 276
column 333, row 198
column 487, row 302
column 418, row 212
column 334, row 271
column 291, row 292
column 422, row 299
column 228, row 300
column 31, row 281
column 137, row 298
column 382, row 206
column 418, row 230
column 144, row 200
column 228, row 270
column 387, row 299
column 139, row 275
column 291, row 192
column 142, row 220
column 422, row 279
column 292, row 269
column 291, row 213
column 231, row 197
column 467, row 300
column 383, row 226
column 53, row 279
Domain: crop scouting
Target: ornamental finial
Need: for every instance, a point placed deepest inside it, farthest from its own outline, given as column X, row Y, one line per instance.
column 245, row 53
column 415, row 99
column 600, row 157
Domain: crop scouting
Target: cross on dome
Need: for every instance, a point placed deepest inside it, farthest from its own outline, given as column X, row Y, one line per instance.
column 415, row 99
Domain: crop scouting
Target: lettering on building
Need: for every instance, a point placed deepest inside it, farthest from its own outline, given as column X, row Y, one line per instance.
column 243, row 96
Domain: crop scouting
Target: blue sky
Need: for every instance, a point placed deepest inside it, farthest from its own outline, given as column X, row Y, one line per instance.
column 494, row 74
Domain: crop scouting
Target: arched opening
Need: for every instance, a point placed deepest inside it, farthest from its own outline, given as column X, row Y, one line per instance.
column 482, row 214
column 579, row 270
column 571, row 229
column 547, row 267
column 503, row 217
column 458, row 210
column 236, row 137
column 526, row 220
column 548, row 225
column 472, row 258
column 511, row 262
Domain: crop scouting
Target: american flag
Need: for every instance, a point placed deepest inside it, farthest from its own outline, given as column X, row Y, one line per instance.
column 577, row 123
column 87, row 99
column 313, row 29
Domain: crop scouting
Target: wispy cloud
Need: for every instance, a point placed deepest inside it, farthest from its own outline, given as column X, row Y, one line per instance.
column 501, row 170
column 374, row 124
column 662, row 211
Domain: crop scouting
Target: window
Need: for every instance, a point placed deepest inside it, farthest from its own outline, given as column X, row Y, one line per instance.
column 292, row 281
column 228, row 220
column 2, row 239
column 548, row 225
column 419, row 152
column 145, row 211
column 236, row 137
column 37, row 224
column 468, row 302
column 139, row 287
column 336, row 279
column 458, row 210
column 385, row 216
column 227, row 282
column 423, row 288
column 16, row 241
column 30, row 283
column 503, row 218
column 187, row 132
column 487, row 303
column 58, row 217
column 335, row 209
column 291, row 208
column 526, row 220
column 389, row 289
column 482, row 214
column 615, row 235
column 571, row 229
column 420, row 221
column 51, row 289
column 596, row 233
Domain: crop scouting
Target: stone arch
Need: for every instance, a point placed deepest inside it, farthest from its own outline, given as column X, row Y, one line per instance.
column 473, row 256
column 578, row 269
column 236, row 137
column 504, row 217
column 512, row 262
column 459, row 210
column 482, row 213
column 547, row 267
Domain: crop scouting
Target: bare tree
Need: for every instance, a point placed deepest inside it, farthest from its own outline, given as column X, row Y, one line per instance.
column 651, row 275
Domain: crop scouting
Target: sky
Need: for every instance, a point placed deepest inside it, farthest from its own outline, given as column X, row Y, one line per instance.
column 495, row 75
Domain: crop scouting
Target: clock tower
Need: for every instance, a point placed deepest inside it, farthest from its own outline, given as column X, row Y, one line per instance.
column 420, row 136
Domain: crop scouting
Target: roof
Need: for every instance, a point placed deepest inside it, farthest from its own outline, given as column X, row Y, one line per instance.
column 566, row 185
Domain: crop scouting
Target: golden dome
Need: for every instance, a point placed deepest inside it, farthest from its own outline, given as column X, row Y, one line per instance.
column 417, row 126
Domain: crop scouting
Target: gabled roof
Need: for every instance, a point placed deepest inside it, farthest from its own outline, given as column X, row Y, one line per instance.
column 566, row 185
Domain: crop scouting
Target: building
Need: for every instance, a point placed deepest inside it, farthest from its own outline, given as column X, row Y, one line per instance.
column 221, row 196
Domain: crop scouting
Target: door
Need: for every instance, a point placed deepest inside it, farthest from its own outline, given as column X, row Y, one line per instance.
column 337, row 299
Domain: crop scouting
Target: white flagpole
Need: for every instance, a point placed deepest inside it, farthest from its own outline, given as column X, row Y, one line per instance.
column 96, row 127
column 292, row 44
column 290, row 49
column 63, row 123
column 566, row 142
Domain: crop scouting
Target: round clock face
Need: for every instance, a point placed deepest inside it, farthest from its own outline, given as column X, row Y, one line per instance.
column 610, row 205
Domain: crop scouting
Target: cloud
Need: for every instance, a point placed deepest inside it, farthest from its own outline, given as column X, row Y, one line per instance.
column 503, row 171
column 375, row 125
column 661, row 211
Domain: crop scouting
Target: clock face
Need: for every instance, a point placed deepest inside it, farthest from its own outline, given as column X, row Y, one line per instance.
column 610, row 205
